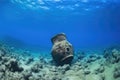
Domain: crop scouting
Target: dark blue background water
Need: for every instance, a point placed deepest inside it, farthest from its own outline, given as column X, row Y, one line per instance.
column 85, row 27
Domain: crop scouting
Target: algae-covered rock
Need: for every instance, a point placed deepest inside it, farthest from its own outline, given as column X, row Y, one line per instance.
column 87, row 71
column 100, row 69
column 2, row 51
column 31, row 59
column 80, row 55
column 37, row 67
column 116, row 55
column 2, row 68
column 13, row 66
column 116, row 73
column 112, row 55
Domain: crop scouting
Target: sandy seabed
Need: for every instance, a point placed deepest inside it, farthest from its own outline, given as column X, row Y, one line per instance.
column 21, row 65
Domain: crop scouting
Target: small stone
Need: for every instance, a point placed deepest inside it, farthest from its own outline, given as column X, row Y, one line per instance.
column 29, row 60
column 66, row 67
column 117, row 68
column 101, row 69
column 85, row 65
column 80, row 55
column 115, row 53
column 2, row 68
column 78, row 63
column 13, row 66
column 102, row 76
column 2, row 52
column 91, row 58
column 37, row 67
column 56, row 78
column 1, row 75
column 86, row 72
column 5, row 59
column 27, row 74
column 116, row 74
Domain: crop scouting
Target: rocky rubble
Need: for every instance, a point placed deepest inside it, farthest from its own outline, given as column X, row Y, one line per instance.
column 14, row 66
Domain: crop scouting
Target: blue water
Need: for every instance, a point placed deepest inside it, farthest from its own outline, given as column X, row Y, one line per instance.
column 88, row 24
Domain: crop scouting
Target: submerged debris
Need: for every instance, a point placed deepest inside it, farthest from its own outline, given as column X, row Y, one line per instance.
column 62, row 50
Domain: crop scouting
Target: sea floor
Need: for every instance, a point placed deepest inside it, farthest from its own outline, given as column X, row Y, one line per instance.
column 21, row 65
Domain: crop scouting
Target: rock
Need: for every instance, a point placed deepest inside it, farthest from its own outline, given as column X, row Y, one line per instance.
column 36, row 67
column 116, row 55
column 13, row 66
column 85, row 65
column 77, row 67
column 31, row 59
column 91, row 60
column 27, row 75
column 2, row 68
column 116, row 73
column 112, row 55
column 66, row 67
column 41, row 69
column 107, row 54
column 1, row 75
column 117, row 68
column 78, row 63
column 53, row 69
column 41, row 59
column 5, row 59
column 102, row 76
column 101, row 69
column 2, row 52
column 86, row 71
column 80, row 55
